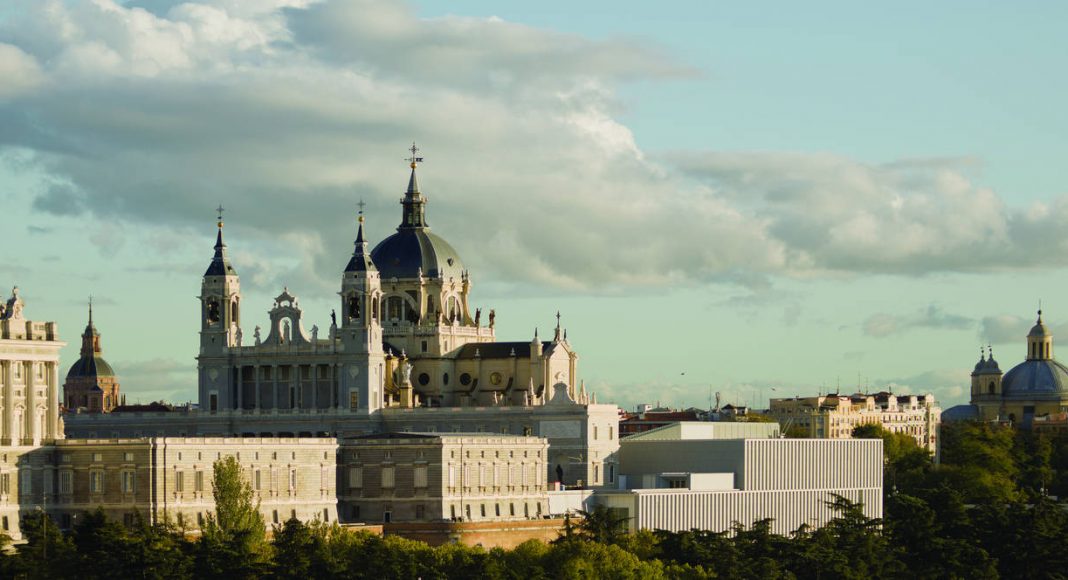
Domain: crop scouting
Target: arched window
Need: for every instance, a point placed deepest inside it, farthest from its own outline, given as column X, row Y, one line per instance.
column 236, row 310
column 374, row 307
column 393, row 308
column 354, row 306
column 212, row 311
column 991, row 387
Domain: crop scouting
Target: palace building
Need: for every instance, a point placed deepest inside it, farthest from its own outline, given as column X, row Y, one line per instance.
column 154, row 478
column 403, row 351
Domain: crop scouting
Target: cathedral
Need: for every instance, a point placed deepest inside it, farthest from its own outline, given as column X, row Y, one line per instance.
column 406, row 336
column 403, row 351
column 1035, row 389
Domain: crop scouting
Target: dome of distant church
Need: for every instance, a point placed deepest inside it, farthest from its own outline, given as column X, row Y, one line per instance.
column 90, row 364
column 1035, row 378
column 413, row 249
column 1040, row 375
column 92, row 367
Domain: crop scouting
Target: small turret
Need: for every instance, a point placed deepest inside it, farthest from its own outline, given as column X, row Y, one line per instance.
column 1039, row 341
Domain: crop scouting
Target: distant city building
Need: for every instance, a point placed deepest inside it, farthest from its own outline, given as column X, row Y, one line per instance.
column 91, row 384
column 1033, row 393
column 708, row 476
column 835, row 416
column 647, row 417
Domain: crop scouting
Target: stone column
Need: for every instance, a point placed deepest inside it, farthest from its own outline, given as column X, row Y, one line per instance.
column 256, row 369
column 31, row 402
column 274, row 386
column 53, row 401
column 335, row 381
column 315, row 386
column 9, row 398
column 240, row 387
column 294, row 385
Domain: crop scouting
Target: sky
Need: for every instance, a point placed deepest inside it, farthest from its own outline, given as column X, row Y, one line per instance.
column 759, row 199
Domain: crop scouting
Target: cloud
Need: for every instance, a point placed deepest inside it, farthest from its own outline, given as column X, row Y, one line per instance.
column 949, row 386
column 20, row 71
column 881, row 325
column 290, row 111
column 1005, row 328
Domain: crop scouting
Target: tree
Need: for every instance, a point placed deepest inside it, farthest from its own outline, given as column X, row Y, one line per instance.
column 850, row 546
column 47, row 553
column 979, row 460
column 602, row 524
column 294, row 549
column 905, row 460
column 233, row 543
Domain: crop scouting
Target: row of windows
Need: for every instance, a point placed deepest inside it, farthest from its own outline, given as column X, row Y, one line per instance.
column 482, row 511
column 388, row 477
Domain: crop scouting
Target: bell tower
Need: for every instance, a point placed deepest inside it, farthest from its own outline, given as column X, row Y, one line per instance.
column 1039, row 341
column 220, row 328
column 360, row 334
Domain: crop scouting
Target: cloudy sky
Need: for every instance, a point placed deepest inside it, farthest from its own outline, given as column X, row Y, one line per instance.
column 761, row 199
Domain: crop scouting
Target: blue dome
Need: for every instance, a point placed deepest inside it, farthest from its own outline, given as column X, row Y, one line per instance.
column 408, row 251
column 960, row 413
column 1036, row 378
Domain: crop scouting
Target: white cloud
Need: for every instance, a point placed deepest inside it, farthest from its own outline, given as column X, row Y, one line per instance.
column 881, row 325
column 290, row 111
column 949, row 386
column 20, row 71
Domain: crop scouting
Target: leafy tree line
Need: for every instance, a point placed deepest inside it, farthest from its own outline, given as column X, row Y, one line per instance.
column 987, row 511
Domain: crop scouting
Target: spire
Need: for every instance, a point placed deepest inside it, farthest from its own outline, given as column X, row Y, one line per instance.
column 414, row 214
column 220, row 262
column 558, row 336
column 90, row 338
column 361, row 258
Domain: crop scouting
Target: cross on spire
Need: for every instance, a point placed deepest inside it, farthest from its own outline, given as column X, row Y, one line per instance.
column 220, row 210
column 360, row 204
column 414, row 158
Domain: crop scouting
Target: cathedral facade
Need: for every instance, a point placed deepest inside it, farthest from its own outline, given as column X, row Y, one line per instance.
column 403, row 351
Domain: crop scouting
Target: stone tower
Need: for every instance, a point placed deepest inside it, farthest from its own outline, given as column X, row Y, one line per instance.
column 360, row 334
column 220, row 329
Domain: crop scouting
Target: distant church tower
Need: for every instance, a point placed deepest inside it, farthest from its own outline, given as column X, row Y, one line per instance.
column 361, row 330
column 220, row 329
column 91, row 383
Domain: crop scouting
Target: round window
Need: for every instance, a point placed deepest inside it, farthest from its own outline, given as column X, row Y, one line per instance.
column 424, row 379
column 495, row 378
column 465, row 379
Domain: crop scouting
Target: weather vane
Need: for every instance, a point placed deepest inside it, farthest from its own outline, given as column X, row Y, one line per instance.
column 414, row 159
